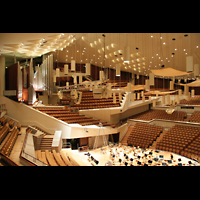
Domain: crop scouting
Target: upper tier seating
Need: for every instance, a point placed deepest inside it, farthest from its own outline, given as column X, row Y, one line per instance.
column 143, row 135
column 89, row 102
column 160, row 114
column 193, row 101
column 71, row 117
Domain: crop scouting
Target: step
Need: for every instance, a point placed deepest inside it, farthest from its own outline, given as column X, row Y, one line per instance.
column 124, row 139
column 44, row 144
column 47, row 140
column 158, row 139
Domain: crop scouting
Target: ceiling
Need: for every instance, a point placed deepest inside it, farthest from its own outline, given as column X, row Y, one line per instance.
column 153, row 49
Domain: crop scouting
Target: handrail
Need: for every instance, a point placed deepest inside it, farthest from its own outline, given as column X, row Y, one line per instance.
column 28, row 157
column 165, row 120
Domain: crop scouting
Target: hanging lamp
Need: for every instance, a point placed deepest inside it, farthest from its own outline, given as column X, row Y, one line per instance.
column 117, row 69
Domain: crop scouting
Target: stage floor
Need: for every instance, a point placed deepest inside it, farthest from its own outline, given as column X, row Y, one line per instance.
column 129, row 156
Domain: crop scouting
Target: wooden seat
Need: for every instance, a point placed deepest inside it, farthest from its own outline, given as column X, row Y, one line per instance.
column 58, row 159
column 50, row 158
column 65, row 159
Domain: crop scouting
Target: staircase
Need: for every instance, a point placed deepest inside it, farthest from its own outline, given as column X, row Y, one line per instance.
column 124, row 139
column 153, row 146
column 46, row 143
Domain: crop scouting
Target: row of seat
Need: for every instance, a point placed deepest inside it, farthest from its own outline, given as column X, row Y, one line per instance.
column 72, row 114
column 143, row 135
column 89, row 106
column 11, row 123
column 64, row 102
column 52, row 158
column 178, row 138
column 96, row 100
column 7, row 147
column 50, row 108
column 193, row 149
column 160, row 114
column 4, row 131
column 195, row 117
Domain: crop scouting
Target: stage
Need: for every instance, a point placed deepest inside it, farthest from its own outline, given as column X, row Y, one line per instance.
column 130, row 156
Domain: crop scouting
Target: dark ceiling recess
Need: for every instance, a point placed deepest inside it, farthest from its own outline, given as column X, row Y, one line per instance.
column 137, row 48
column 173, row 38
column 185, row 35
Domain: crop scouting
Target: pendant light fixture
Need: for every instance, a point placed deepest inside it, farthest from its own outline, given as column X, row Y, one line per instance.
column 66, row 69
column 117, row 69
column 73, row 65
column 88, row 66
column 126, row 51
column 126, row 54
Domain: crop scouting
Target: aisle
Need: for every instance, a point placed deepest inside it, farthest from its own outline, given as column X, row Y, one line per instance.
column 18, row 146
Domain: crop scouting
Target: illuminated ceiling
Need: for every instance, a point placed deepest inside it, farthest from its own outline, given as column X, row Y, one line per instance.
column 147, row 50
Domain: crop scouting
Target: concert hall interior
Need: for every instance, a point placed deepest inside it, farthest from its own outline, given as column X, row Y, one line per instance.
column 99, row 99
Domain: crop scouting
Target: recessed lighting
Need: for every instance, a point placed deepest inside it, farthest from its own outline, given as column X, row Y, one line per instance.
column 163, row 42
column 175, row 49
column 184, row 49
column 185, row 53
column 161, row 38
column 156, row 54
column 151, row 36
column 197, row 47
